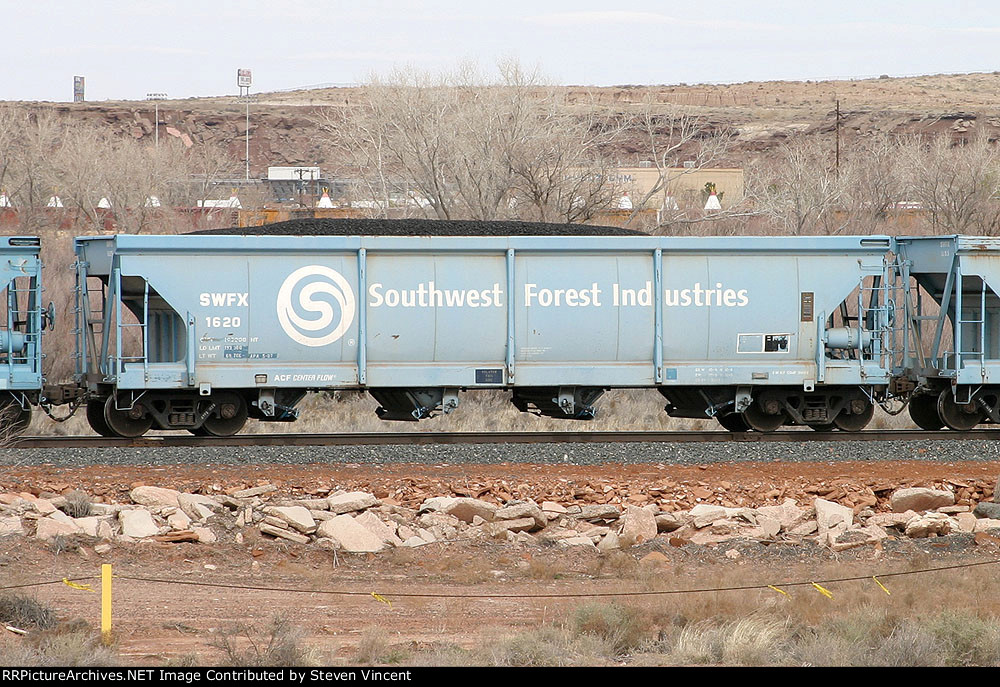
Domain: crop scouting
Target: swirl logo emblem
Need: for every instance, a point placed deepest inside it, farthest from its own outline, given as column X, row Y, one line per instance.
column 315, row 331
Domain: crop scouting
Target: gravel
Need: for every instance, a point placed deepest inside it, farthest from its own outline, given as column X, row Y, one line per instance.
column 418, row 227
column 569, row 454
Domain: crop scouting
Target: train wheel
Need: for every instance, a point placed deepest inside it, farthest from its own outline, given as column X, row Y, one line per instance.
column 14, row 419
column 127, row 423
column 734, row 422
column 924, row 412
column 855, row 422
column 828, row 427
column 231, row 418
column 758, row 420
column 95, row 417
column 958, row 416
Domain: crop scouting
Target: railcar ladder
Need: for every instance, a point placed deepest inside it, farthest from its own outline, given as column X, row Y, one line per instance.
column 120, row 359
column 980, row 324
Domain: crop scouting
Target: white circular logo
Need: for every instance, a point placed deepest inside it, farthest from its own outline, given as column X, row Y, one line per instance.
column 331, row 283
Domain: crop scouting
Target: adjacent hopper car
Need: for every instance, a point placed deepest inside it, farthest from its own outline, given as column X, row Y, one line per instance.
column 203, row 332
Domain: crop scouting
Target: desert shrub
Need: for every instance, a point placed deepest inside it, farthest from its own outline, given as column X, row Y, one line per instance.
column 624, row 627
column 280, row 644
column 25, row 612
column 375, row 649
column 77, row 505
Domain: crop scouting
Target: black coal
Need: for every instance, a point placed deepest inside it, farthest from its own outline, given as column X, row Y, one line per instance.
column 418, row 227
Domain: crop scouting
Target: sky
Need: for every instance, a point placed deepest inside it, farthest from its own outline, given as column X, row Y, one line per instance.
column 189, row 48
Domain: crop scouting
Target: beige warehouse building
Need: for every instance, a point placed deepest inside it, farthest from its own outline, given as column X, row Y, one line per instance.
column 686, row 186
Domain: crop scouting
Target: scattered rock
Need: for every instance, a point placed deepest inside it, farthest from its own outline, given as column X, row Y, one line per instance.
column 524, row 509
column 284, row 534
column 966, row 522
column 610, row 542
column 598, row 512
column 987, row 509
column 920, row 499
column 179, row 520
column 705, row 514
column 11, row 527
column 499, row 528
column 577, row 541
column 984, row 524
column 464, row 508
column 858, row 536
column 929, row 524
column 667, row 522
column 891, row 519
column 654, row 558
column 207, row 536
column 254, row 491
column 381, row 530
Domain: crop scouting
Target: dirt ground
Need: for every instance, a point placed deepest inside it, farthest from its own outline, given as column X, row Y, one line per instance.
column 159, row 622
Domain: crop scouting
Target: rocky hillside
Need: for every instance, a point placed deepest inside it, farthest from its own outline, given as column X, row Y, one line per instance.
column 761, row 114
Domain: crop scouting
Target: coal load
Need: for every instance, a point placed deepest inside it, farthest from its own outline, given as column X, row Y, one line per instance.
column 418, row 227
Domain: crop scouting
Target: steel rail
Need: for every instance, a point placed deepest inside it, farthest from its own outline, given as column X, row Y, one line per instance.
column 431, row 438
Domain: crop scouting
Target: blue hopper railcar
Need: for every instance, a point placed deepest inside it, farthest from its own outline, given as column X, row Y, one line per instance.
column 203, row 332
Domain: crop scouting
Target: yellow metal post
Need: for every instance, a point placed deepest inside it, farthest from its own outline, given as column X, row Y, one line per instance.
column 106, row 603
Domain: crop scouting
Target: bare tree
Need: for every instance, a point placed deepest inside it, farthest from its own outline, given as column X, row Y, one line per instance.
column 802, row 192
column 27, row 164
column 678, row 144
column 459, row 145
column 956, row 183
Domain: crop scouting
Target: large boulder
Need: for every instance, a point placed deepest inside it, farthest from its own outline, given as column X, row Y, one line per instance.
column 920, row 499
column 155, row 496
column 11, row 526
column 380, row 529
column 788, row 514
column 351, row 535
column 137, row 523
column 50, row 528
column 463, row 508
column 832, row 519
column 522, row 509
column 704, row 514
column 638, row 526
column 351, row 502
column 298, row 517
column 930, row 524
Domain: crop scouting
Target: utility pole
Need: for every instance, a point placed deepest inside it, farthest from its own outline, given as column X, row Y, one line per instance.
column 156, row 98
column 243, row 80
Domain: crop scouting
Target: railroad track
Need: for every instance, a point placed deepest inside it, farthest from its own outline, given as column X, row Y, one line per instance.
column 430, row 438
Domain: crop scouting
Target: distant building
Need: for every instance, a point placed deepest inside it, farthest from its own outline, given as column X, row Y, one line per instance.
column 686, row 187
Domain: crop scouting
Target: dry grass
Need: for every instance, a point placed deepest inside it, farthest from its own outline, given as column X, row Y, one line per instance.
column 67, row 644
column 376, row 649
